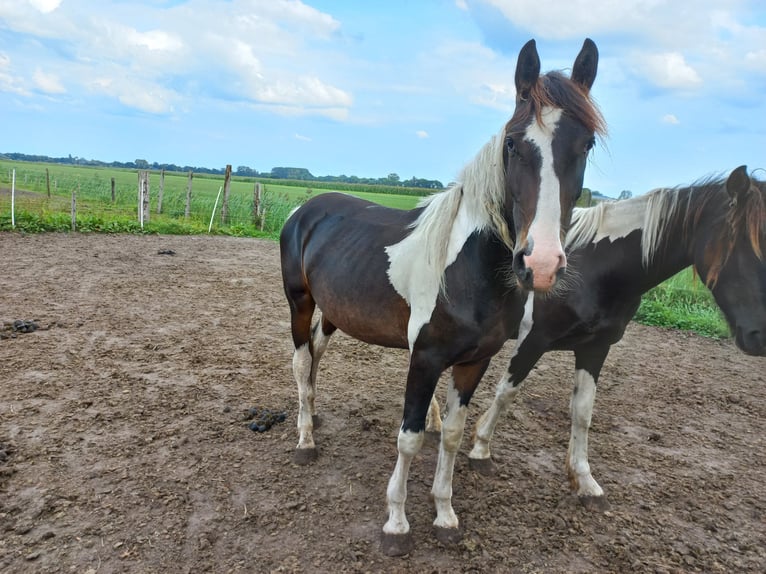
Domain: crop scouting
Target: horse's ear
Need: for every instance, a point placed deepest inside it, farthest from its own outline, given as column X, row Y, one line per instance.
column 527, row 70
column 586, row 65
column 738, row 182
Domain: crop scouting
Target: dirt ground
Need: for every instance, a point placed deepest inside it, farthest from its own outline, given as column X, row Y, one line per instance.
column 123, row 446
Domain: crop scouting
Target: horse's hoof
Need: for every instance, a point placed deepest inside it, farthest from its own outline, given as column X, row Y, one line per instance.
column 316, row 421
column 595, row 503
column 483, row 466
column 448, row 536
column 396, row 544
column 305, row 456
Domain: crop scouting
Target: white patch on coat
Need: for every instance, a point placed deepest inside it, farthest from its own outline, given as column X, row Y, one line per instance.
column 418, row 262
column 419, row 279
column 614, row 220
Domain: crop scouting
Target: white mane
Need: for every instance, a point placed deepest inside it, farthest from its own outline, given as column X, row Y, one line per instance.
column 481, row 194
column 650, row 213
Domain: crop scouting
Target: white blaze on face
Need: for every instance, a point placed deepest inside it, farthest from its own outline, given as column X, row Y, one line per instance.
column 544, row 234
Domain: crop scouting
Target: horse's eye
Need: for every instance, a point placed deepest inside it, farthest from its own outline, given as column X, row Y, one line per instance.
column 590, row 144
column 509, row 143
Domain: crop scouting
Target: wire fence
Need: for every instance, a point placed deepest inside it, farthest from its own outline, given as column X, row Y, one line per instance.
column 41, row 191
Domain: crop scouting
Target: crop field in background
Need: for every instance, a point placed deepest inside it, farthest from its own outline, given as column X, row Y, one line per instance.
column 681, row 302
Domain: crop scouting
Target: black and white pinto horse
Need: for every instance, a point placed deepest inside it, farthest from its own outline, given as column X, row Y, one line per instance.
column 439, row 280
column 618, row 251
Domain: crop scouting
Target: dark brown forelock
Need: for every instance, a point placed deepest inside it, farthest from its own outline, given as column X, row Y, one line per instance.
column 746, row 218
column 556, row 90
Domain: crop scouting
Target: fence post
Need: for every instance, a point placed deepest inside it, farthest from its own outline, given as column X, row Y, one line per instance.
column 13, row 199
column 162, row 188
column 48, row 182
column 188, row 194
column 226, row 191
column 74, row 208
column 112, row 190
column 143, row 197
column 257, row 203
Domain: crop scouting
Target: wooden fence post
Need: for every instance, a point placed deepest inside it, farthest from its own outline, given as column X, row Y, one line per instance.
column 188, row 195
column 48, row 182
column 257, row 203
column 162, row 188
column 112, row 190
column 226, row 191
column 143, row 197
column 74, row 208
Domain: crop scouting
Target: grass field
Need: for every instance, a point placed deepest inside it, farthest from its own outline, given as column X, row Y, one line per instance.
column 681, row 302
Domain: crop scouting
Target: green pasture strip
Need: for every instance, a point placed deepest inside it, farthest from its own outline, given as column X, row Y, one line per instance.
column 93, row 192
column 683, row 302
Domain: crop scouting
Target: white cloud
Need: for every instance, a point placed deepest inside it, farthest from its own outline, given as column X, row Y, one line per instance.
column 756, row 60
column 670, row 119
column 669, row 70
column 302, row 138
column 278, row 52
column 48, row 83
column 137, row 94
column 155, row 40
column 45, row 6
column 461, row 5
column 422, row 134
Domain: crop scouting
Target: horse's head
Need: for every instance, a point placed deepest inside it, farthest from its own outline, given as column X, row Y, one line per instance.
column 546, row 147
column 732, row 261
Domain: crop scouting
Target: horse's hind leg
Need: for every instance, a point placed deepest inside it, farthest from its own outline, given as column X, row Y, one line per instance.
column 526, row 355
column 320, row 335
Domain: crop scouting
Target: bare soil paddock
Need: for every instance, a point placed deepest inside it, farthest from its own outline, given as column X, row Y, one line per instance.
column 123, row 446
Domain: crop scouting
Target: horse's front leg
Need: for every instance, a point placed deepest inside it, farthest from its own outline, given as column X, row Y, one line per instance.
column 588, row 363
column 465, row 379
column 422, row 377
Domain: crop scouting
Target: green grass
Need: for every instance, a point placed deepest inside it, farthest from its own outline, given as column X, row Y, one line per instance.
column 682, row 302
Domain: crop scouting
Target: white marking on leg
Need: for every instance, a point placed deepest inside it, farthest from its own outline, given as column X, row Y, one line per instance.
column 409, row 444
column 581, row 407
column 302, row 367
column 527, row 322
column 545, row 230
column 319, row 344
column 452, row 436
column 505, row 393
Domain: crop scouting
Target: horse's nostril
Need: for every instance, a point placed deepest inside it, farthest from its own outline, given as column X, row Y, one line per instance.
column 523, row 273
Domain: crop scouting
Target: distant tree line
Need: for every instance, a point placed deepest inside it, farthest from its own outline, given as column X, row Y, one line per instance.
column 291, row 173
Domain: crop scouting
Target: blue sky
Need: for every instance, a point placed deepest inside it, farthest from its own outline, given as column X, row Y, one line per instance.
column 370, row 88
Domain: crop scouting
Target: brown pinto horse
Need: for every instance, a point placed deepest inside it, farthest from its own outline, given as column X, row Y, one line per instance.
column 620, row 250
column 439, row 280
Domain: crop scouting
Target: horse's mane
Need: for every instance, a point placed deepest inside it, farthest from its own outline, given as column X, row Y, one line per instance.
column 678, row 206
column 480, row 186
column 480, row 189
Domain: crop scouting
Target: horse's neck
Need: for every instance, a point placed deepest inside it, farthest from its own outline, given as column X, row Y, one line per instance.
column 668, row 234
